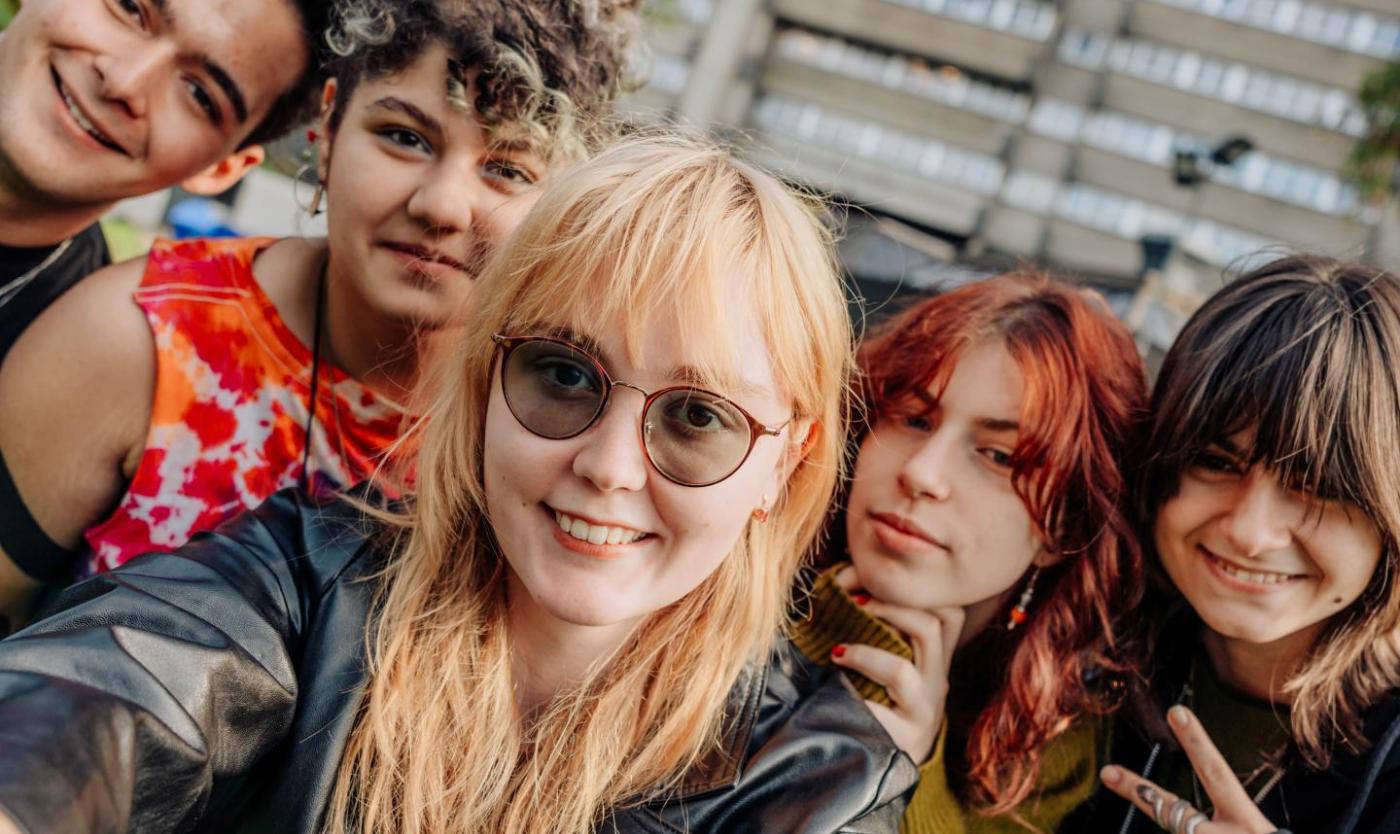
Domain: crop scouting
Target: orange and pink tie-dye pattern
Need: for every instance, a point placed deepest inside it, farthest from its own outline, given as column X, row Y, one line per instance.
column 231, row 407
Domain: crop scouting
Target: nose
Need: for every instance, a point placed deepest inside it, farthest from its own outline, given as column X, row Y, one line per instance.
column 925, row 473
column 451, row 198
column 126, row 79
column 1258, row 519
column 610, row 454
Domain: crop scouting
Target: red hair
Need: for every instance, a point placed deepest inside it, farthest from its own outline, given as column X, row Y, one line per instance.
column 1084, row 400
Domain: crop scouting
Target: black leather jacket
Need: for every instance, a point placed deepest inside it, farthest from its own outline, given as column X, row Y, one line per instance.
column 213, row 690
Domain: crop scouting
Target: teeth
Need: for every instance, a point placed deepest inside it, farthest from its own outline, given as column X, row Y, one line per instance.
column 82, row 120
column 595, row 534
column 1257, row 577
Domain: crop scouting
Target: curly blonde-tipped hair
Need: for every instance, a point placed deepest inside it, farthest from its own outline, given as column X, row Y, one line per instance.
column 651, row 227
column 542, row 71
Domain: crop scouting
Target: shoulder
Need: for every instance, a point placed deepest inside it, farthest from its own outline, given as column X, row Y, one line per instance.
column 82, row 375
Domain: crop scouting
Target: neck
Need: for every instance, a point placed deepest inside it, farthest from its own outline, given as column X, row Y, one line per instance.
column 979, row 615
column 550, row 655
column 381, row 352
column 1258, row 670
column 27, row 221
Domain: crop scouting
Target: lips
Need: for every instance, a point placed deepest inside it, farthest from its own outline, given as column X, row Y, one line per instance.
column 905, row 528
column 425, row 254
column 81, row 118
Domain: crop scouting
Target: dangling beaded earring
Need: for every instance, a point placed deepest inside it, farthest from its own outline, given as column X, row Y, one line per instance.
column 1021, row 612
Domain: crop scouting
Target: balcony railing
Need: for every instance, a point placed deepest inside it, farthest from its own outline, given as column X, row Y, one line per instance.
column 1231, row 82
column 1257, row 173
column 930, row 159
column 1026, row 18
column 1128, row 217
column 946, row 85
column 1353, row 30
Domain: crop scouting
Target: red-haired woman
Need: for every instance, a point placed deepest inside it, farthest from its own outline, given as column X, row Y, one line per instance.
column 990, row 553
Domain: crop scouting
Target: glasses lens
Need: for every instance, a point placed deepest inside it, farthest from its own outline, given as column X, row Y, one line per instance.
column 695, row 438
column 552, row 389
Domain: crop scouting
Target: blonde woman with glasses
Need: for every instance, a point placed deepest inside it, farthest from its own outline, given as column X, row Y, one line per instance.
column 573, row 625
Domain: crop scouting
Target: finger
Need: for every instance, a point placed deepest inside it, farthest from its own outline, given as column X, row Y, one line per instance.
column 1218, row 779
column 923, row 630
column 898, row 676
column 953, row 620
column 1168, row 810
column 846, row 579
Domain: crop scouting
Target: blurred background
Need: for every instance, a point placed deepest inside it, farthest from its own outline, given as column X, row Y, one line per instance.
column 1145, row 147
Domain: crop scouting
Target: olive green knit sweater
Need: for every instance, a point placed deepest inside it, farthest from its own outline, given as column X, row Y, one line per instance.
column 1068, row 765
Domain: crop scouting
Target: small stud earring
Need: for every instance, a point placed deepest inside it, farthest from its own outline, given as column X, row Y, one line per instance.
column 1021, row 612
column 762, row 512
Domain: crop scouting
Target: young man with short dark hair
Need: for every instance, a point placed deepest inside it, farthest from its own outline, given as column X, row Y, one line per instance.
column 101, row 100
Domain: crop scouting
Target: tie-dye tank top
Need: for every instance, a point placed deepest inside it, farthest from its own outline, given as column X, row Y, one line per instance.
column 232, row 396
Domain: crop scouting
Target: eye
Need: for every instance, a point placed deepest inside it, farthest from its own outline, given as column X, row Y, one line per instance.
column 514, row 176
column 1212, row 461
column 700, row 416
column 997, row 457
column 133, row 10
column 917, row 422
column 563, row 375
column 203, row 100
column 407, row 139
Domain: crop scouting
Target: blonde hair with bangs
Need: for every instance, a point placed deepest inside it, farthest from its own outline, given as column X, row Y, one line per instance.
column 1302, row 350
column 654, row 224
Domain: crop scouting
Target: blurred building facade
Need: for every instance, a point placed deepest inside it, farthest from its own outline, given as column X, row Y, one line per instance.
column 1049, row 130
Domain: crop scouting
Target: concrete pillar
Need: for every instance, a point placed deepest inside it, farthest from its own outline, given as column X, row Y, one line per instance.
column 717, row 73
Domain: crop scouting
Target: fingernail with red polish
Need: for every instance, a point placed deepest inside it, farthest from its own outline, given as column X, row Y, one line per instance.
column 861, row 599
column 839, row 650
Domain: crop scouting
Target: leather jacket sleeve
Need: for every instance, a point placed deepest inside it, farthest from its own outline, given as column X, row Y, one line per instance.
column 143, row 697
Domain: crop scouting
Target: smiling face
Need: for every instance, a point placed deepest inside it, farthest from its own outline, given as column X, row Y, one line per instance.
column 932, row 519
column 592, row 533
column 106, row 99
column 1258, row 561
column 418, row 193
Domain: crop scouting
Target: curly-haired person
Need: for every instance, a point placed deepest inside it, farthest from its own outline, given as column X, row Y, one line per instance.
column 167, row 393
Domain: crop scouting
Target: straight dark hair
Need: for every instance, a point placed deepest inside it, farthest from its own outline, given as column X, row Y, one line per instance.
column 1305, row 352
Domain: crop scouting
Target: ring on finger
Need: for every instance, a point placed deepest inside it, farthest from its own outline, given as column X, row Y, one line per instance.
column 1176, row 816
column 1193, row 822
column 1154, row 798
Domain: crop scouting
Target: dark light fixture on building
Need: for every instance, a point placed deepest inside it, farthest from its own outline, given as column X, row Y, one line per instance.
column 1231, row 149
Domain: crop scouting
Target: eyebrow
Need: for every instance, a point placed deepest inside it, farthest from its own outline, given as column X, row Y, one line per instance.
column 997, row 424
column 684, row 374
column 220, row 75
column 412, row 111
column 690, row 375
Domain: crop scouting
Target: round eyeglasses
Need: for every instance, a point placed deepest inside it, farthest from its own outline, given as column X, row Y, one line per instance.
column 691, row 436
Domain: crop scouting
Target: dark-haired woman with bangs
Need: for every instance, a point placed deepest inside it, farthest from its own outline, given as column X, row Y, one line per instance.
column 990, row 553
column 1271, row 496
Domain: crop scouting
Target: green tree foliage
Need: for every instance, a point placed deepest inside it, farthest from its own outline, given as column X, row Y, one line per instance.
column 1375, row 160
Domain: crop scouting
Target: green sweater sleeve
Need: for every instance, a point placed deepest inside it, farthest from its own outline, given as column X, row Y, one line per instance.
column 1069, row 765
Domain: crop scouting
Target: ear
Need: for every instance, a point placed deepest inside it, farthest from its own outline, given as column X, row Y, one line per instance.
column 805, row 435
column 1045, row 557
column 221, row 176
column 323, row 132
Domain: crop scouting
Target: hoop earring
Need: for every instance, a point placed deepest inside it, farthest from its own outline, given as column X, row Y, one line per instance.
column 1021, row 612
column 313, row 206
